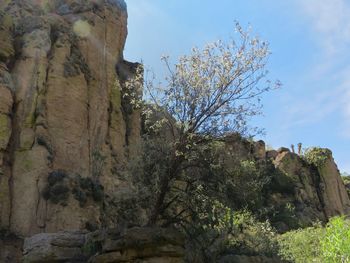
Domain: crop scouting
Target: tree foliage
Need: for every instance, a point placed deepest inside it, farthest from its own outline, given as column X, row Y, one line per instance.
column 209, row 93
column 216, row 89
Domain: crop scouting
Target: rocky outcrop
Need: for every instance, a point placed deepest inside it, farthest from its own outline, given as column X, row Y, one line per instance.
column 64, row 131
column 131, row 245
column 55, row 247
column 68, row 129
column 301, row 191
column 334, row 194
column 141, row 245
column 317, row 192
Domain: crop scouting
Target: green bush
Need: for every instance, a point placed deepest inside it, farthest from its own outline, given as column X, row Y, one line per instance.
column 57, row 189
column 346, row 179
column 335, row 245
column 217, row 231
column 329, row 244
column 317, row 156
column 301, row 245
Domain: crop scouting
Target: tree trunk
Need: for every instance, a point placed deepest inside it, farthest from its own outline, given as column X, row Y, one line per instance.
column 164, row 188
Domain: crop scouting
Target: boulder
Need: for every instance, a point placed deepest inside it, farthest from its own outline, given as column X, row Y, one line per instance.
column 147, row 244
column 54, row 247
column 271, row 154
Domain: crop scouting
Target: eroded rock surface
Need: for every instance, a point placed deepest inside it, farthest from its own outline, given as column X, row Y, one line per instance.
column 318, row 193
column 61, row 112
column 300, row 192
column 136, row 244
column 55, row 247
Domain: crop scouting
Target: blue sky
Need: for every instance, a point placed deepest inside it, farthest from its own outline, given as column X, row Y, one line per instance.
column 310, row 44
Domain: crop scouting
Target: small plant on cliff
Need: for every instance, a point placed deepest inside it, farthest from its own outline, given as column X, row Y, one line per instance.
column 207, row 94
column 317, row 156
column 57, row 190
column 346, row 180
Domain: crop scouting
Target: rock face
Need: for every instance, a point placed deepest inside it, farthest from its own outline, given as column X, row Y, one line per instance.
column 137, row 244
column 10, row 247
column 67, row 130
column 64, row 130
column 300, row 192
column 132, row 245
column 317, row 193
column 57, row 247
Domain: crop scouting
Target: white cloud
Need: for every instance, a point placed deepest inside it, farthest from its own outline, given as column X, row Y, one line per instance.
column 330, row 18
column 312, row 108
column 330, row 21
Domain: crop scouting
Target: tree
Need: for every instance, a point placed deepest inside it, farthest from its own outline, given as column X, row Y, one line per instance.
column 210, row 93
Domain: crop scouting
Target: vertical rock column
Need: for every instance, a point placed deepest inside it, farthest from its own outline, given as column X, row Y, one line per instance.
column 7, row 53
column 336, row 199
column 64, row 134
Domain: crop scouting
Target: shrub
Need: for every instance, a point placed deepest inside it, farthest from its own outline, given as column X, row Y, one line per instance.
column 329, row 244
column 57, row 189
column 301, row 245
column 217, row 230
column 346, row 179
column 317, row 156
column 85, row 188
column 335, row 245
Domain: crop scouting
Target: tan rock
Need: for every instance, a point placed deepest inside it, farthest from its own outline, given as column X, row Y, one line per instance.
column 259, row 150
column 272, row 154
column 336, row 199
column 303, row 180
column 321, row 190
column 137, row 244
column 5, row 100
column 54, row 247
column 5, row 131
column 68, row 114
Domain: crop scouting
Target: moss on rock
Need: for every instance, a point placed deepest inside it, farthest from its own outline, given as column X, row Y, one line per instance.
column 5, row 131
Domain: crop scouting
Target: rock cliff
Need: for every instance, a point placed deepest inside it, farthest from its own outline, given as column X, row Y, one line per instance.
column 64, row 133
column 298, row 191
column 67, row 132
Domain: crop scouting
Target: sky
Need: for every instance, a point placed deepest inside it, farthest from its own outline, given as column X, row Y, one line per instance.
column 310, row 45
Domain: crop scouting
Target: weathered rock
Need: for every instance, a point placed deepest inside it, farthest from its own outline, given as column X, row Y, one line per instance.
column 305, row 184
column 259, row 150
column 61, row 109
column 318, row 193
column 334, row 194
column 56, row 247
column 283, row 149
column 142, row 245
column 10, row 247
column 272, row 154
column 131, row 245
